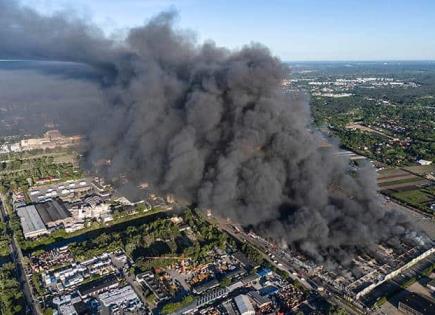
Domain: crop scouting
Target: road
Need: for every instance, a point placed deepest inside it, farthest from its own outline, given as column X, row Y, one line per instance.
column 276, row 256
column 137, row 288
column 283, row 260
column 130, row 279
column 17, row 257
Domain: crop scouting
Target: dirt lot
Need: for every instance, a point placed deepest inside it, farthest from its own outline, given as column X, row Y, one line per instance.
column 395, row 176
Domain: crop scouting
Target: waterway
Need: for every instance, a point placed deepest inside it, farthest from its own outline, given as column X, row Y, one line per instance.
column 110, row 229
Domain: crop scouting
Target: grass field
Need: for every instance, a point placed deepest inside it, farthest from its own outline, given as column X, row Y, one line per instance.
column 413, row 196
column 417, row 198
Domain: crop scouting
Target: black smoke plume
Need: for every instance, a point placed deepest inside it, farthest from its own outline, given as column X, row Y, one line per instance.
column 213, row 127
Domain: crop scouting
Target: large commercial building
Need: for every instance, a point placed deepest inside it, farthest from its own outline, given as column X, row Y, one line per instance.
column 125, row 296
column 31, row 222
column 98, row 286
column 67, row 191
column 67, row 204
column 54, row 213
column 414, row 304
column 51, row 139
column 244, row 305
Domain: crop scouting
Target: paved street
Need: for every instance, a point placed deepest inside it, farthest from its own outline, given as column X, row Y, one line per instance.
column 17, row 257
column 280, row 260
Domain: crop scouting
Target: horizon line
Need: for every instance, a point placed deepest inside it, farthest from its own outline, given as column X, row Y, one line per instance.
column 359, row 60
column 282, row 59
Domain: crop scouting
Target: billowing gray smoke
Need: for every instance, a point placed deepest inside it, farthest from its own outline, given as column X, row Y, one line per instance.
column 212, row 127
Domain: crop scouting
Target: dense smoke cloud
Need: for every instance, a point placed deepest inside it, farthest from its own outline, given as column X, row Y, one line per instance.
column 213, row 127
column 35, row 96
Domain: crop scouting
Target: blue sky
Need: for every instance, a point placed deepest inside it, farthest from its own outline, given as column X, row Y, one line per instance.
column 292, row 29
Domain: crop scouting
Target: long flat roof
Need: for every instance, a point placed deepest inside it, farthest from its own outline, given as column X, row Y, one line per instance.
column 418, row 303
column 118, row 296
column 58, row 189
column 52, row 211
column 98, row 284
column 31, row 221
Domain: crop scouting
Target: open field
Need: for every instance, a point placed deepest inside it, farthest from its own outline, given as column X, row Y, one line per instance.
column 392, row 176
column 404, row 178
column 413, row 196
column 410, row 185
column 404, row 184
column 368, row 129
column 419, row 198
column 421, row 169
column 397, row 177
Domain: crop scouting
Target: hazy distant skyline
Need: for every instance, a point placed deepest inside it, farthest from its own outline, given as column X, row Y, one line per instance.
column 293, row 30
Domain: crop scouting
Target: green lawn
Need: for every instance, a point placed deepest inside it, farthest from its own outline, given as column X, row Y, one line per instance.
column 413, row 196
column 418, row 198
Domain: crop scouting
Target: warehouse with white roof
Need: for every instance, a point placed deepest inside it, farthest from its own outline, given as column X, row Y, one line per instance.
column 31, row 222
column 244, row 305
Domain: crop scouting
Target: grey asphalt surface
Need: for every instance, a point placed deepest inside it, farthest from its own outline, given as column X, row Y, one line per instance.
column 17, row 257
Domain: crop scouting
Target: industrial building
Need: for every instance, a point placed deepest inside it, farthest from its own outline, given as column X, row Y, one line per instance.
column 415, row 304
column 151, row 282
column 74, row 274
column 52, row 139
column 93, row 206
column 54, row 213
column 31, row 222
column 98, row 286
column 261, row 301
column 124, row 297
column 268, row 290
column 244, row 305
column 207, row 285
column 67, row 191
column 68, row 204
column 264, row 272
column 204, row 299
column 431, row 285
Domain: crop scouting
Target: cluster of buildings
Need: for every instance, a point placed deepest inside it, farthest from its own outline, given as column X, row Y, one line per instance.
column 341, row 87
column 92, row 286
column 259, row 292
column 67, row 205
column 373, row 272
column 415, row 304
column 365, row 82
column 100, row 285
column 52, row 139
column 71, row 275
column 228, row 285
column 369, row 277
